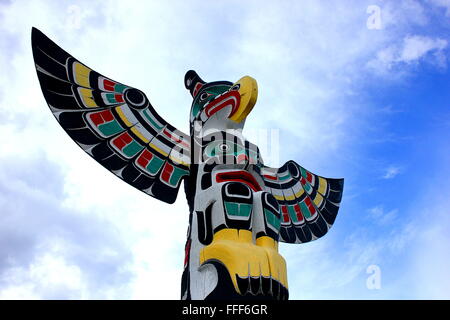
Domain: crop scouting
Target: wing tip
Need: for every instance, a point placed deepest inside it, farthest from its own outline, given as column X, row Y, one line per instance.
column 38, row 39
column 36, row 35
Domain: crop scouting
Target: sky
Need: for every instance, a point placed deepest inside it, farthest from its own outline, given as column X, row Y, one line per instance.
column 356, row 89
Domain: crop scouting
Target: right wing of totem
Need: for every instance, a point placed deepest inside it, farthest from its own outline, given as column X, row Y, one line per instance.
column 112, row 122
column 309, row 203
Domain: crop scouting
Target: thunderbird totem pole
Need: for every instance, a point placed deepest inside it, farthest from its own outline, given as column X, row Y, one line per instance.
column 239, row 208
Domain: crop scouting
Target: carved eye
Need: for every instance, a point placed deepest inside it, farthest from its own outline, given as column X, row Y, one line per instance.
column 223, row 147
column 236, row 87
column 203, row 96
column 135, row 98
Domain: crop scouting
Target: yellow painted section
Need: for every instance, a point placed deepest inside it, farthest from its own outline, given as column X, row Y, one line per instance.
column 139, row 134
column 158, row 149
column 236, row 250
column 277, row 264
column 267, row 242
column 291, row 197
column 322, row 185
column 81, row 74
column 298, row 194
column 318, row 199
column 86, row 96
column 249, row 94
column 278, row 197
column 124, row 118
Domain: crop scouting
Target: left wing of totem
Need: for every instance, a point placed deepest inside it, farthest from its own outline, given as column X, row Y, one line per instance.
column 308, row 203
column 114, row 123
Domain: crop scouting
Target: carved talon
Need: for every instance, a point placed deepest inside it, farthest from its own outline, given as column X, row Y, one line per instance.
column 277, row 264
column 244, row 259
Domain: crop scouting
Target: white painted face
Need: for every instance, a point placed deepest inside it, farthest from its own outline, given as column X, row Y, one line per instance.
column 220, row 121
column 212, row 107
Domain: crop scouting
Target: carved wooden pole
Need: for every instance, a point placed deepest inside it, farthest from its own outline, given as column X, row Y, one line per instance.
column 240, row 209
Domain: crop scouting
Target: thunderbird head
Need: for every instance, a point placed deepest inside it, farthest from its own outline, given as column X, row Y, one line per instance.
column 220, row 105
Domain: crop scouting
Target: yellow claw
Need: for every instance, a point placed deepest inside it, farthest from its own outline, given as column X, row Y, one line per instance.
column 236, row 250
column 277, row 263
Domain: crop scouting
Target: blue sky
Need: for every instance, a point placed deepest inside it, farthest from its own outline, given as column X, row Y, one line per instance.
column 350, row 99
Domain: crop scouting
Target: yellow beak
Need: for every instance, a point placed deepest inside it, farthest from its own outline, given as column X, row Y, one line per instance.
column 248, row 91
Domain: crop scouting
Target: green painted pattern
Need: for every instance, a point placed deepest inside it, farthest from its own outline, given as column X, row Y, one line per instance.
column 272, row 219
column 154, row 165
column 110, row 97
column 292, row 213
column 132, row 148
column 307, row 187
column 213, row 148
column 285, row 177
column 234, row 149
column 304, row 209
column 238, row 209
column 176, row 176
column 214, row 91
column 195, row 109
column 303, row 172
column 119, row 87
column 110, row 128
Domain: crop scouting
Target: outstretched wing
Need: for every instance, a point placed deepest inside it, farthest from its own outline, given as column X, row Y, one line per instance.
column 309, row 203
column 113, row 122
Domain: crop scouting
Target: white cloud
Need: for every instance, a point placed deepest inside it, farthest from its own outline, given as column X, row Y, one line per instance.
column 47, row 271
column 324, row 270
column 416, row 47
column 412, row 50
column 53, row 251
column 402, row 14
column 380, row 216
column 431, row 262
column 392, row 171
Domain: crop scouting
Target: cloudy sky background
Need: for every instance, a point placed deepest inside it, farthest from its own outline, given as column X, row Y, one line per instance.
column 353, row 93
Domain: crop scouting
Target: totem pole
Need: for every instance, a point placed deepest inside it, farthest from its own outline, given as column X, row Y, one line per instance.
column 240, row 209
